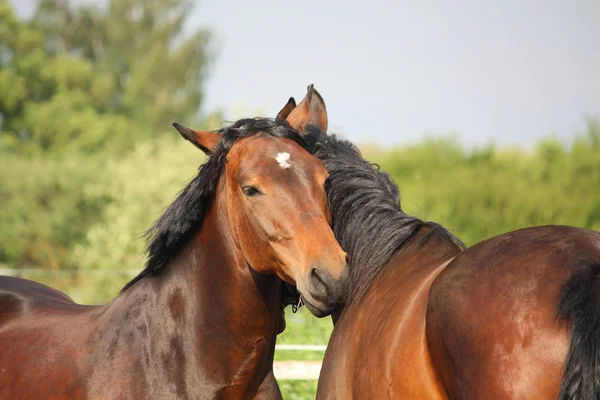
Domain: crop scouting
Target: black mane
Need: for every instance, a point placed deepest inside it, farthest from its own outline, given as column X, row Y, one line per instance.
column 184, row 217
column 368, row 221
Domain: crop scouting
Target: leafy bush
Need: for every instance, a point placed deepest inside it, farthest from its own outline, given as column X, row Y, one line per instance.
column 488, row 192
column 47, row 208
column 141, row 186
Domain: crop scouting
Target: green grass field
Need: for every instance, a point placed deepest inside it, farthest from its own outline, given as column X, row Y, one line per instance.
column 298, row 390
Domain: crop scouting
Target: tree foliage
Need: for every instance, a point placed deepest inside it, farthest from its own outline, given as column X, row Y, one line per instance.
column 90, row 79
column 487, row 192
column 80, row 87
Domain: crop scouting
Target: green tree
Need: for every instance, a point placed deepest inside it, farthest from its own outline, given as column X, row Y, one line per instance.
column 49, row 102
column 87, row 79
column 156, row 69
column 487, row 192
column 80, row 88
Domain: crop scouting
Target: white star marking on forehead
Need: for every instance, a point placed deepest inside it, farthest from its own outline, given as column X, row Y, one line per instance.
column 284, row 160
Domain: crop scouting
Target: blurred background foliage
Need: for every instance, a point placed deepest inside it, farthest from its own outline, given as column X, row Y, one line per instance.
column 84, row 92
column 88, row 159
column 84, row 79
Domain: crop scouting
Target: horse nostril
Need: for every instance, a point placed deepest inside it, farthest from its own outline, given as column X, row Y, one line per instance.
column 318, row 284
column 317, row 276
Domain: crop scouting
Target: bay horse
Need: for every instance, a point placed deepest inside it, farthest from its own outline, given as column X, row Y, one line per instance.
column 200, row 321
column 516, row 316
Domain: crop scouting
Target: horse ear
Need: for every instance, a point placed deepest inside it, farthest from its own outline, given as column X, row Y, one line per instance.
column 287, row 109
column 206, row 141
column 310, row 111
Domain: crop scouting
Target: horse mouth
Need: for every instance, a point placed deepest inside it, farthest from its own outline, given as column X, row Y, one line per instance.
column 314, row 310
column 292, row 296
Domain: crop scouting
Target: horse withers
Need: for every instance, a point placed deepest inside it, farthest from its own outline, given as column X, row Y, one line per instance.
column 202, row 318
column 516, row 316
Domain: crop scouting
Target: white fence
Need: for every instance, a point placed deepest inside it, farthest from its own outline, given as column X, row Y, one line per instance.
column 298, row 370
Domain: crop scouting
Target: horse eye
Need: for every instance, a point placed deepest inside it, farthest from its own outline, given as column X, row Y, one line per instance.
column 251, row 191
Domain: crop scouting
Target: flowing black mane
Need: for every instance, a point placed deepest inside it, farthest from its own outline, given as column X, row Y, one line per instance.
column 368, row 221
column 185, row 215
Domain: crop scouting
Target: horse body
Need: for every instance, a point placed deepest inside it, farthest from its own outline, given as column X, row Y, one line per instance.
column 201, row 320
column 206, row 329
column 473, row 324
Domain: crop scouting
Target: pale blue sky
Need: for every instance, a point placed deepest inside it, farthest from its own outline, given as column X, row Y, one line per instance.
column 392, row 71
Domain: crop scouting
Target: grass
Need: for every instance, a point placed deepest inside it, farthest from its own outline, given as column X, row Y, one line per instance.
column 298, row 390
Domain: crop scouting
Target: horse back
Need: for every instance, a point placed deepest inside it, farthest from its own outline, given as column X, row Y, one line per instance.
column 42, row 341
column 17, row 296
column 493, row 321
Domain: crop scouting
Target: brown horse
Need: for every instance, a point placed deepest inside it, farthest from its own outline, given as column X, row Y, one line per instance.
column 202, row 318
column 514, row 317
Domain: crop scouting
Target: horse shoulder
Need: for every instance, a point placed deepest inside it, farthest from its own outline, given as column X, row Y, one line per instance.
column 378, row 347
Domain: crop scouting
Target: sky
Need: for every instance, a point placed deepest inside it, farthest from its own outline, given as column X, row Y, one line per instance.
column 393, row 72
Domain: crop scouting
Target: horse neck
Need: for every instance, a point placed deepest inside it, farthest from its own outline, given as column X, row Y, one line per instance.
column 426, row 247
column 429, row 247
column 209, row 300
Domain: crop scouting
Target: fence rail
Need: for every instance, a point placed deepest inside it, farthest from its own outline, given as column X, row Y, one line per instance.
column 297, row 370
column 301, row 347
